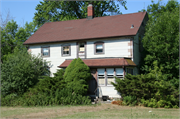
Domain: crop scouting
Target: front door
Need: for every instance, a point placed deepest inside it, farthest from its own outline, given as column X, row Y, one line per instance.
column 81, row 50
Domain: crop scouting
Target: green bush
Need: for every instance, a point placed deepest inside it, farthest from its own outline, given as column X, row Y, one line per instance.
column 63, row 97
column 20, row 72
column 76, row 76
column 129, row 100
column 138, row 86
column 48, row 91
column 150, row 89
column 50, row 84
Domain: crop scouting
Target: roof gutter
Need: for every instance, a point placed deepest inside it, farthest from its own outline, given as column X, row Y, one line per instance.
column 76, row 40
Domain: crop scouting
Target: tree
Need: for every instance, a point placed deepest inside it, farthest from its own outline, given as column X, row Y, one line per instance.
column 76, row 76
column 21, row 71
column 4, row 20
column 13, row 36
column 49, row 11
column 161, row 40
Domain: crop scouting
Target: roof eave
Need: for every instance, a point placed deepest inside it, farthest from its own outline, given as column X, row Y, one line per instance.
column 77, row 39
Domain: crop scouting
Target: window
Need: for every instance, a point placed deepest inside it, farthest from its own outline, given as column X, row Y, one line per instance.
column 45, row 51
column 129, row 70
column 81, row 47
column 119, row 73
column 99, row 47
column 66, row 50
column 101, row 76
column 110, row 75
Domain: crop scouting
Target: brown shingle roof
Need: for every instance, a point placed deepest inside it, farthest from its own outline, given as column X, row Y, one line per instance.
column 99, row 27
column 111, row 62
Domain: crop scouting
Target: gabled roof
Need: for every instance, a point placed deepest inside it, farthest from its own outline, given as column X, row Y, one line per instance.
column 110, row 62
column 82, row 29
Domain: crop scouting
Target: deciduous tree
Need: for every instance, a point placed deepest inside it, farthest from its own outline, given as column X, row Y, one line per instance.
column 48, row 11
column 161, row 40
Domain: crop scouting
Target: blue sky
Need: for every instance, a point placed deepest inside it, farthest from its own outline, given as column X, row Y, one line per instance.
column 23, row 10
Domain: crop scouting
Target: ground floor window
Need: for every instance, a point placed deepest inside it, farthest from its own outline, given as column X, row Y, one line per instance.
column 129, row 70
column 107, row 75
column 101, row 76
column 119, row 73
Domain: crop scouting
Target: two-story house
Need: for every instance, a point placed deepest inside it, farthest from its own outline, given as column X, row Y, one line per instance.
column 109, row 45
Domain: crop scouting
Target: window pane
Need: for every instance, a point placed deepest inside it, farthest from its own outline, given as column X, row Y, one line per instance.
column 99, row 46
column 109, row 80
column 65, row 48
column 99, row 50
column 101, row 80
column 81, row 49
column 81, row 45
column 110, row 71
column 119, row 71
column 45, row 51
column 101, row 71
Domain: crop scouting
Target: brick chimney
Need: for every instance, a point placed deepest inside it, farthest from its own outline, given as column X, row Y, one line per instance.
column 90, row 11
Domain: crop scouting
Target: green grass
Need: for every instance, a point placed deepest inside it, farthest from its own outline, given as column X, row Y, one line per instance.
column 99, row 111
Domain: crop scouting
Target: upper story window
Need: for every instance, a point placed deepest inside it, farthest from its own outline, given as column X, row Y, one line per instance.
column 45, row 51
column 81, row 47
column 66, row 50
column 99, row 47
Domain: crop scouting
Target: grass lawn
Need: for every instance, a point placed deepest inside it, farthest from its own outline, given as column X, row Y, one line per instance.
column 96, row 111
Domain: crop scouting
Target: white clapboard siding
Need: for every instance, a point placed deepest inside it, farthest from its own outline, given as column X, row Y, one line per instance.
column 55, row 54
column 112, row 48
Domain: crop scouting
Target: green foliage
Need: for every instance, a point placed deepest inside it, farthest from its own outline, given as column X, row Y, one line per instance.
column 13, row 37
column 76, row 76
column 51, row 91
column 50, row 84
column 60, row 97
column 161, row 40
column 150, row 89
column 49, row 11
column 21, row 71
column 129, row 100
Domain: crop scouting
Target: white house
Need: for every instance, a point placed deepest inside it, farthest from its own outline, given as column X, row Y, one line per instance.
column 109, row 45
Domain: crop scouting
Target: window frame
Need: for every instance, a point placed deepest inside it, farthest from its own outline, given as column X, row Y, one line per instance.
column 110, row 76
column 101, row 76
column 62, row 47
column 132, row 73
column 42, row 47
column 99, row 43
column 119, row 76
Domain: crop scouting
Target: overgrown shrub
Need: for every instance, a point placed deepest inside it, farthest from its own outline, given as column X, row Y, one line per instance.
column 20, row 72
column 60, row 97
column 150, row 89
column 76, row 76
column 50, row 84
column 48, row 91
column 129, row 100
